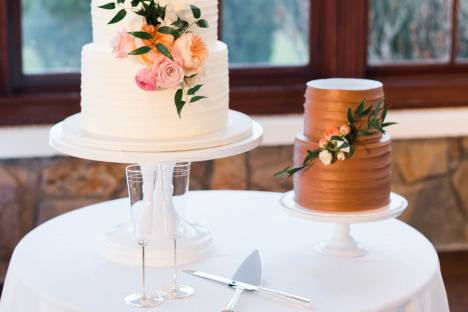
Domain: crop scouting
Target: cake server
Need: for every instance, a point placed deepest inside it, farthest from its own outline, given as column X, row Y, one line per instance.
column 248, row 286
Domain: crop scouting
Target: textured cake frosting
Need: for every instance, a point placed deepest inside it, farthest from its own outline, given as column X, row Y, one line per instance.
column 359, row 183
column 113, row 105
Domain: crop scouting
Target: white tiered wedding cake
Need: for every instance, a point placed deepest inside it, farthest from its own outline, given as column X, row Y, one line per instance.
column 178, row 87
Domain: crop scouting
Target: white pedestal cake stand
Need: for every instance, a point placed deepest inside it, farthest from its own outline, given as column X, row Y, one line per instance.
column 118, row 244
column 341, row 243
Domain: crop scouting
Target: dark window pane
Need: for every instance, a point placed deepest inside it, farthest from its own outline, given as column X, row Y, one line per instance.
column 53, row 33
column 462, row 53
column 267, row 32
column 409, row 31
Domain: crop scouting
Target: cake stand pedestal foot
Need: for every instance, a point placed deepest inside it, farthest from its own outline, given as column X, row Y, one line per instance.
column 341, row 243
column 195, row 241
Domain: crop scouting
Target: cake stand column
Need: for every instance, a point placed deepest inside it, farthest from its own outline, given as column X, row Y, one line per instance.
column 193, row 240
column 341, row 243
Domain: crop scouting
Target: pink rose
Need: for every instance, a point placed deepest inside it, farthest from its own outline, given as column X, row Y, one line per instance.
column 330, row 133
column 345, row 130
column 146, row 80
column 122, row 44
column 190, row 52
column 168, row 74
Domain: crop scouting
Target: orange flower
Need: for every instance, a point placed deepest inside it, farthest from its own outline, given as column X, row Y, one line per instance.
column 165, row 39
column 190, row 51
column 330, row 133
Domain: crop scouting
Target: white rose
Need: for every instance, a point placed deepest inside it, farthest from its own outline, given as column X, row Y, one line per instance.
column 326, row 157
column 345, row 149
column 341, row 156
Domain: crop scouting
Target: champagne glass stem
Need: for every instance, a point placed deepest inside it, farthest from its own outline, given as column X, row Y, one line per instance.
column 175, row 274
column 143, row 271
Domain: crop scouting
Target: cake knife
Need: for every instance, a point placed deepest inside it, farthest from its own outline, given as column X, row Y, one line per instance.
column 248, row 286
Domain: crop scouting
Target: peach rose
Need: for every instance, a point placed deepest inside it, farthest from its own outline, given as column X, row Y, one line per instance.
column 190, row 52
column 340, row 156
column 122, row 44
column 167, row 40
column 169, row 74
column 146, row 80
column 331, row 132
column 345, row 130
column 322, row 143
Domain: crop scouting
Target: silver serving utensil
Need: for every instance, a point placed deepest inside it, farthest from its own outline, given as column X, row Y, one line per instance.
column 251, row 269
column 249, row 272
column 248, row 287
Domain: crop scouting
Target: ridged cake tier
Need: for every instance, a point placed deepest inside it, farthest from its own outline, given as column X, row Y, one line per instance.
column 103, row 33
column 360, row 183
column 113, row 105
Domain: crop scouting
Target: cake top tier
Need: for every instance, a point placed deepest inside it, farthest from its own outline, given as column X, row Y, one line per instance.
column 104, row 33
column 348, row 90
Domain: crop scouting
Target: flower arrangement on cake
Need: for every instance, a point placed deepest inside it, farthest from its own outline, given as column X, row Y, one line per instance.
column 339, row 143
column 172, row 55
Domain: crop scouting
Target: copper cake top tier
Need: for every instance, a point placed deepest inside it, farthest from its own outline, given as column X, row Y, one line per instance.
column 328, row 100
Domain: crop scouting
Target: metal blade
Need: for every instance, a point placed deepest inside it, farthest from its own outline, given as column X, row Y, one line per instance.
column 250, row 271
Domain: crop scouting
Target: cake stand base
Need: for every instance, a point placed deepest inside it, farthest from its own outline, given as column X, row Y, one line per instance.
column 118, row 245
column 341, row 243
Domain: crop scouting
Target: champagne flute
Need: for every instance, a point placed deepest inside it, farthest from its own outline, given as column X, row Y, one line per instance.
column 179, row 175
column 141, row 181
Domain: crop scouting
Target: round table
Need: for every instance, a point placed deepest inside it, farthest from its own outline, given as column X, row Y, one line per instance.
column 57, row 267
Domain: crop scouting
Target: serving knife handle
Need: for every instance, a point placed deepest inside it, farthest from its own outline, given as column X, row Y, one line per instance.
column 235, row 298
column 283, row 295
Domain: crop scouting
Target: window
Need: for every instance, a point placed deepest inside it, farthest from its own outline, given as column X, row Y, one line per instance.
column 47, row 46
column 418, row 48
column 462, row 38
column 409, row 31
column 277, row 37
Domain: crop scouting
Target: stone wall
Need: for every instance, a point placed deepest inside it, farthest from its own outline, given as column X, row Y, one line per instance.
column 432, row 174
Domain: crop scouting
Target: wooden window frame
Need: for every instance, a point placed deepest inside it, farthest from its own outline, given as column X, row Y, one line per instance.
column 338, row 47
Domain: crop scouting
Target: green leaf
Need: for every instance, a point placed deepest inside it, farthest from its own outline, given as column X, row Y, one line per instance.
column 179, row 102
column 387, row 124
column 197, row 98
column 118, row 17
column 195, row 11
column 191, row 76
column 108, row 6
column 285, row 170
column 162, row 48
column 135, row 3
column 310, row 156
column 366, row 132
column 120, row 1
column 352, row 150
column 360, row 108
column 350, row 115
column 141, row 35
column 180, row 24
column 169, row 31
column 367, row 111
column 337, row 138
column 375, row 124
column 194, row 90
column 203, row 23
column 140, row 51
column 384, row 113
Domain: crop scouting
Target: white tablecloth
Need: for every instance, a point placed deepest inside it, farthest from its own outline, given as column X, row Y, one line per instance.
column 57, row 267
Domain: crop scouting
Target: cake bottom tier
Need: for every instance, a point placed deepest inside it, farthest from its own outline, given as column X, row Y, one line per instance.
column 357, row 184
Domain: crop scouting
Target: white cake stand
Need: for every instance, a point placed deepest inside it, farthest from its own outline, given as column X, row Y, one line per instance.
column 341, row 243
column 118, row 244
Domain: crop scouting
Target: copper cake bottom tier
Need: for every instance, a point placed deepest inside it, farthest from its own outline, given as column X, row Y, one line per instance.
column 360, row 183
